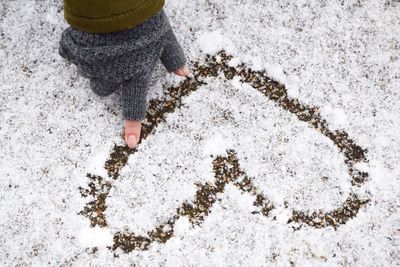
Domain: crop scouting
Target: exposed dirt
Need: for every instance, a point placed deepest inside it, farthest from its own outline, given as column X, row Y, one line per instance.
column 98, row 189
column 333, row 218
column 226, row 169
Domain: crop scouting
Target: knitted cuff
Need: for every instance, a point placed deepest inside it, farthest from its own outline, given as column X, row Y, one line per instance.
column 102, row 87
column 172, row 56
column 62, row 50
column 62, row 53
column 134, row 99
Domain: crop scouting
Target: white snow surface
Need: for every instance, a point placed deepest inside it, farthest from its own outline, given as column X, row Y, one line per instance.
column 341, row 56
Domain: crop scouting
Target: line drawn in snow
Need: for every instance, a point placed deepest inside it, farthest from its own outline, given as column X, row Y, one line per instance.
column 226, row 168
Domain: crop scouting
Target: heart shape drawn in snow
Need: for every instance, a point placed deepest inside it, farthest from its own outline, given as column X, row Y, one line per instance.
column 227, row 169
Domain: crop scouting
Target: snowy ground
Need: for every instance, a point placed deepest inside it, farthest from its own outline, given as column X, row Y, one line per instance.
column 63, row 167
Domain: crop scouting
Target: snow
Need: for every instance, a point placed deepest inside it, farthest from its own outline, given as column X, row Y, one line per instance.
column 336, row 116
column 96, row 161
column 212, row 42
column 182, row 227
column 95, row 237
column 342, row 57
column 216, row 144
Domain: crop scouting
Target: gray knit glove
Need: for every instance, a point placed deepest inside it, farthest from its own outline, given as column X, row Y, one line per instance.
column 124, row 60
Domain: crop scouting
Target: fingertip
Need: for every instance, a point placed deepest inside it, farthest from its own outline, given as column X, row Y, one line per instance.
column 132, row 141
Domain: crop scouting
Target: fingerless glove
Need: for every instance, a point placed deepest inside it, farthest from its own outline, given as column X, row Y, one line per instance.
column 124, row 60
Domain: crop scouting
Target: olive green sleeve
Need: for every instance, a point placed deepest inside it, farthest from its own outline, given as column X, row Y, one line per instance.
column 104, row 16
